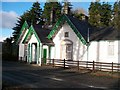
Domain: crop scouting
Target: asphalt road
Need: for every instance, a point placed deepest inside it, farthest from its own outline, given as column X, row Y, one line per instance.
column 22, row 75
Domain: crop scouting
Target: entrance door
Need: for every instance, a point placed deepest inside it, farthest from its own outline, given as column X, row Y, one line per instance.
column 66, row 49
column 44, row 55
column 25, row 52
column 68, row 52
column 34, row 52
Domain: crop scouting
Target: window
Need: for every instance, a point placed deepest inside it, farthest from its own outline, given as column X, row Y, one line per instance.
column 110, row 48
column 66, row 34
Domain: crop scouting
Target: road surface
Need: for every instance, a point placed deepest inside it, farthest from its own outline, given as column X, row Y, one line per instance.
column 22, row 75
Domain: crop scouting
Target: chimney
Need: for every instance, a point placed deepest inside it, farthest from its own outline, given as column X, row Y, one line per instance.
column 84, row 17
column 52, row 16
column 66, row 7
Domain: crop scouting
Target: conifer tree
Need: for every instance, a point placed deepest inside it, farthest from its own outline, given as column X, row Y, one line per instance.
column 106, row 14
column 32, row 16
column 100, row 14
column 116, row 15
column 51, row 6
column 94, row 13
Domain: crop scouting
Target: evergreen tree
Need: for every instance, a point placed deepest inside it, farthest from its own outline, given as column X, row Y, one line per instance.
column 35, row 13
column 94, row 13
column 116, row 15
column 105, row 13
column 18, row 26
column 100, row 14
column 7, row 49
column 32, row 16
column 48, row 8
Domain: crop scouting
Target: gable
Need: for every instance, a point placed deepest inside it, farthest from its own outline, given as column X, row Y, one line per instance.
column 42, row 33
column 33, row 39
column 22, row 32
column 23, row 36
column 60, row 36
column 29, row 35
column 60, row 22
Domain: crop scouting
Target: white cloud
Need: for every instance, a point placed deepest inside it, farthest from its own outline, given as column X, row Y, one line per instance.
column 8, row 19
column 2, row 39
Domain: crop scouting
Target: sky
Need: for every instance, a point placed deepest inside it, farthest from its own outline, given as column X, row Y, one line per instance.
column 10, row 10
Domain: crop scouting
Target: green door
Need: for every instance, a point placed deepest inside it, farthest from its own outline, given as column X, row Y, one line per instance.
column 44, row 55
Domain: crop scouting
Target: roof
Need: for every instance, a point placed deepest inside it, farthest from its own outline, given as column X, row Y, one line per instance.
column 104, row 33
column 42, row 34
column 81, row 25
column 96, row 34
column 22, row 32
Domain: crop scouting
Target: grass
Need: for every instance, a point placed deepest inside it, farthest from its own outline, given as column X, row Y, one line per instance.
column 106, row 74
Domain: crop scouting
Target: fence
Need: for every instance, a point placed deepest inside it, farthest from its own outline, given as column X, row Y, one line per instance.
column 84, row 64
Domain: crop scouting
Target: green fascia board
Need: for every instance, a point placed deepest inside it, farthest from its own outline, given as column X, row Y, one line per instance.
column 53, row 31
column 76, row 31
column 27, row 35
column 30, row 32
column 24, row 26
column 62, row 19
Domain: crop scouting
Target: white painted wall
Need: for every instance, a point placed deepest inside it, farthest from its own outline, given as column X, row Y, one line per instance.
column 98, row 51
column 118, row 49
column 104, row 56
column 33, row 39
column 52, row 52
column 21, row 47
column 77, row 45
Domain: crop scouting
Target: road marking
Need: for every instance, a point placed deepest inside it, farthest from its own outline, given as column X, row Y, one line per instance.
column 57, row 79
column 94, row 86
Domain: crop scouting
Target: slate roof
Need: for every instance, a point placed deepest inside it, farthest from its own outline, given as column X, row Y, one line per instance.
column 105, row 33
column 81, row 25
column 42, row 34
column 96, row 34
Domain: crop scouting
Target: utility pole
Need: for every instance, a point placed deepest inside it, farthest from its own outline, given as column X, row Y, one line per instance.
column 87, row 47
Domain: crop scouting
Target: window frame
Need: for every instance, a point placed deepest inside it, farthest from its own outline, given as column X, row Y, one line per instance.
column 66, row 34
column 110, row 48
column 65, row 46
